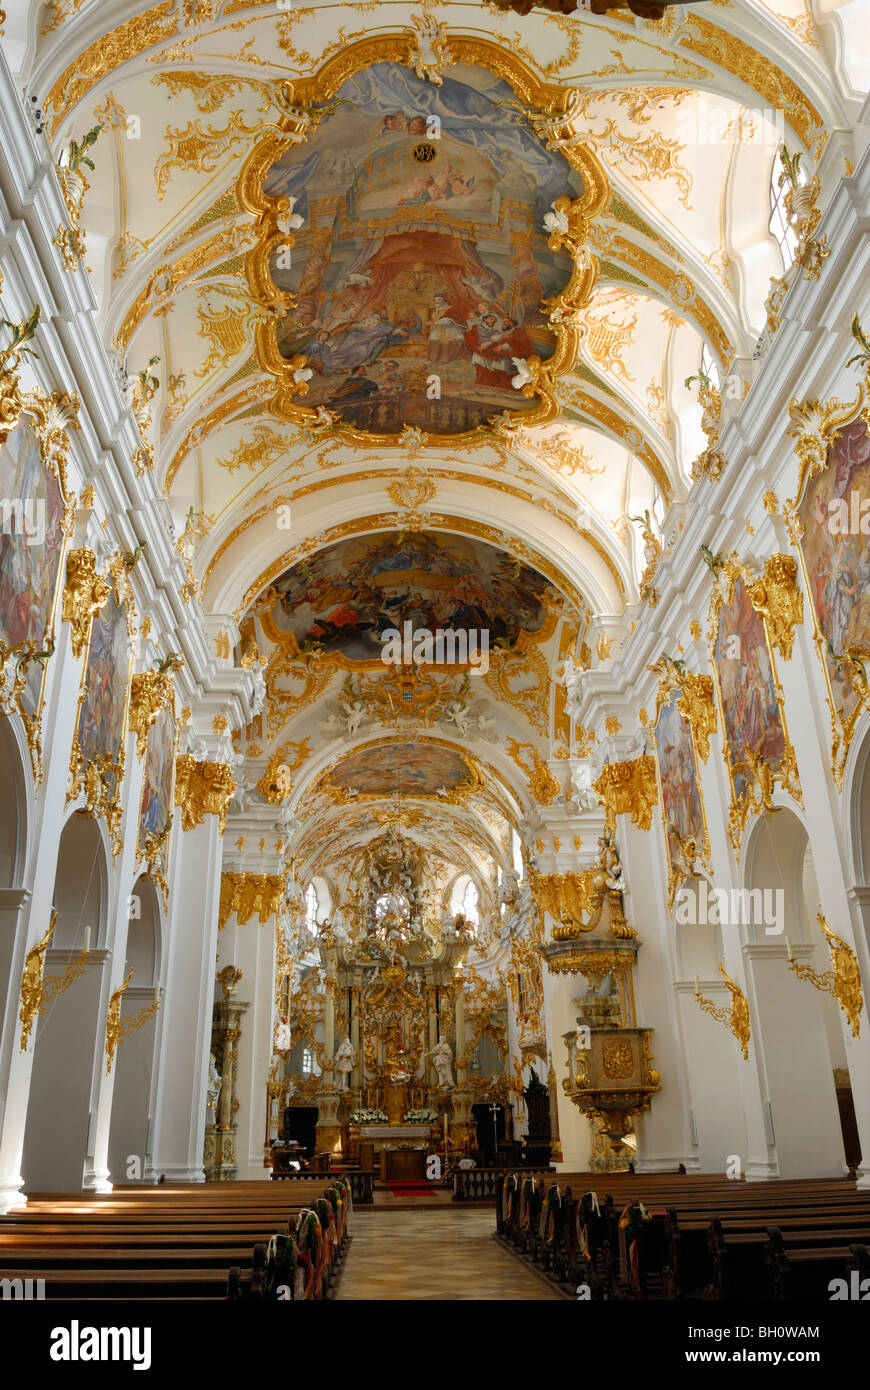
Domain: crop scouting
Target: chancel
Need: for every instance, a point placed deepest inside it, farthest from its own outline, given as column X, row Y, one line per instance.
column 434, row 638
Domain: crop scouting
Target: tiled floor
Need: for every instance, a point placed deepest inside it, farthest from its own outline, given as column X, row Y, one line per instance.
column 445, row 1254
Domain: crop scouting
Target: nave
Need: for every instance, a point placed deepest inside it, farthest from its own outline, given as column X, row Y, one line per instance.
column 434, row 642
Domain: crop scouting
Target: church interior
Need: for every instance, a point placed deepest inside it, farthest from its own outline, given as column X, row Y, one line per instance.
column 435, row 737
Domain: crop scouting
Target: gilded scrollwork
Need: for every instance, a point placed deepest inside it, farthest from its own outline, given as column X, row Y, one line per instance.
column 542, row 784
column 248, row 895
column 780, row 602
column 628, row 788
column 85, row 593
column 151, row 691
column 32, row 983
column 710, row 463
column 202, row 789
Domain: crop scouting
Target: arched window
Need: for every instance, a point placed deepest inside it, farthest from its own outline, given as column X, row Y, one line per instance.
column 311, row 905
column 517, row 852
column 779, row 225
column 710, row 367
column 465, row 899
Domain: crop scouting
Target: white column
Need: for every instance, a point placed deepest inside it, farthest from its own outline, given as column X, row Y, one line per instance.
column 560, row 1014
column 185, row 1035
column 122, row 875
column 663, row 1132
column 63, row 676
column 250, row 947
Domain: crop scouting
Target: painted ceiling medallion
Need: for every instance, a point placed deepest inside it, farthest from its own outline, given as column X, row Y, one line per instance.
column 435, row 296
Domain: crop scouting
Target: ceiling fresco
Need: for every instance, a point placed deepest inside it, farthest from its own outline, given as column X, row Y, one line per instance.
column 422, row 264
column 346, row 596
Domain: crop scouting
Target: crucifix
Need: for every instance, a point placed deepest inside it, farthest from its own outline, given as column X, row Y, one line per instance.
column 493, row 1110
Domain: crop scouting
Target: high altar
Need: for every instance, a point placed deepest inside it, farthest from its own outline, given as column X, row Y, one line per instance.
column 388, row 1003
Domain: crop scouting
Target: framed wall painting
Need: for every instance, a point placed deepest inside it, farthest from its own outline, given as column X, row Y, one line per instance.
column 37, row 521
column 684, row 819
column 758, row 753
column 829, row 524
column 97, row 761
column 158, row 797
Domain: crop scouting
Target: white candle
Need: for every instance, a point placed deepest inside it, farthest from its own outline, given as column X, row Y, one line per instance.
column 789, row 951
column 156, row 994
column 697, row 985
column 87, row 939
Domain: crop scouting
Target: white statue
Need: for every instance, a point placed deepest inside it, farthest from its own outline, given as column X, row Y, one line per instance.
column 355, row 713
column 572, row 679
column 341, row 924
column 636, row 745
column 287, row 822
column 244, row 785
column 458, row 715
column 332, row 726
column 215, row 1082
column 442, row 1056
column 583, row 796
column 258, row 698
column 345, row 1058
column 517, row 898
column 282, row 1035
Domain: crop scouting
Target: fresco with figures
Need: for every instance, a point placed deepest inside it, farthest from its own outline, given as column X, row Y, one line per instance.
column 156, row 805
column 404, row 269
column 347, row 595
column 100, row 728
column 836, row 555
column 31, row 549
column 746, row 683
column 678, row 769
column 406, row 769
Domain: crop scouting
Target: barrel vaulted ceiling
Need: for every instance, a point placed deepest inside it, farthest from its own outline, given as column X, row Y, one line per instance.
column 187, row 90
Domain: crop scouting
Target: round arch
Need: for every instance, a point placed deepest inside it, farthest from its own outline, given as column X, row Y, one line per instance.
column 132, row 1095
column 796, row 1028
column 69, row 1039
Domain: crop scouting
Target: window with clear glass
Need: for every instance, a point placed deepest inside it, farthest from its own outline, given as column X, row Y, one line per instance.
column 779, row 224
column 311, row 908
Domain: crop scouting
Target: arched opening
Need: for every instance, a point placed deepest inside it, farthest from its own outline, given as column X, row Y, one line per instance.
column 129, row 1133
column 69, row 1038
column 716, row 1121
column 13, row 848
column 797, row 1027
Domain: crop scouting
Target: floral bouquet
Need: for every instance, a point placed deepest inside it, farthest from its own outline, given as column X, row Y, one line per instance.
column 420, row 1117
column 368, row 1117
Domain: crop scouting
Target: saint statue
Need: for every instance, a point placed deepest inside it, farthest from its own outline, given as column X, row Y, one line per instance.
column 214, row 1090
column 442, row 1056
column 345, row 1058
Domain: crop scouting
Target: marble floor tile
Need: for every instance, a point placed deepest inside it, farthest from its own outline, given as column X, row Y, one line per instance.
column 446, row 1254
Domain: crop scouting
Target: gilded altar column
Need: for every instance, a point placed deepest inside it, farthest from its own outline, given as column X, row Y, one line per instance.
column 459, row 1007
column 356, row 1074
column 219, row 1155
column 461, row 1094
column 328, row 1098
column 433, row 1036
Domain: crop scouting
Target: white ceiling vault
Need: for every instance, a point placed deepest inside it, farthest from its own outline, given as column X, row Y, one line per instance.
column 684, row 115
